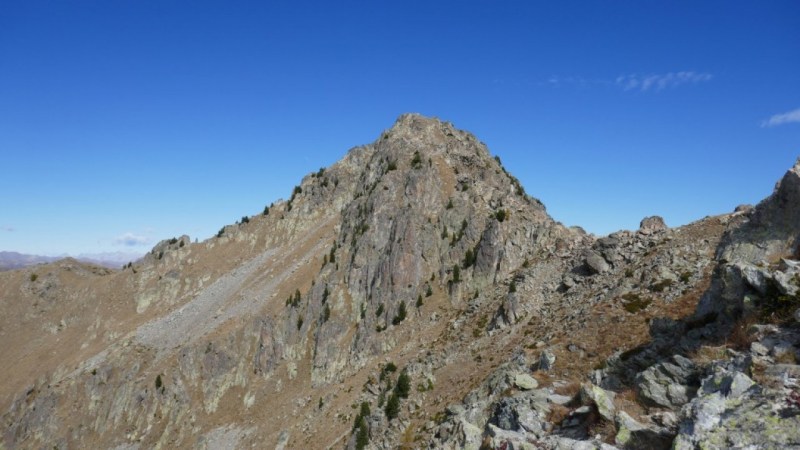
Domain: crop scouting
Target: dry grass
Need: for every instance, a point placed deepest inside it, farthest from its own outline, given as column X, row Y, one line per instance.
column 557, row 414
column 742, row 334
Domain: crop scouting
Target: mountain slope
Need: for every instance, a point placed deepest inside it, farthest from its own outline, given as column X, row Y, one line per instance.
column 415, row 258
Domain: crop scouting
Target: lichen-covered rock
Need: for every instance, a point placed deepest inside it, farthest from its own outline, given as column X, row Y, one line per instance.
column 668, row 384
column 602, row 399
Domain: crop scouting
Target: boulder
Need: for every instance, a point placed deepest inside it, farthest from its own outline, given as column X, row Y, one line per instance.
column 602, row 399
column 594, row 262
column 652, row 224
column 669, row 384
column 525, row 381
column 634, row 435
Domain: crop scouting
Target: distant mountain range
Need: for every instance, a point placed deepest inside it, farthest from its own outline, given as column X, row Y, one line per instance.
column 113, row 260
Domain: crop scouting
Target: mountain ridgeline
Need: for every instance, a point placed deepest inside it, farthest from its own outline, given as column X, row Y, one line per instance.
column 412, row 295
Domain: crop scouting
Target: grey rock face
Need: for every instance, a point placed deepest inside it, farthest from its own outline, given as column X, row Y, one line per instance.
column 668, row 384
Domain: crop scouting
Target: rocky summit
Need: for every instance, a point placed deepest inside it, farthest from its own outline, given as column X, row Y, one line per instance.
column 413, row 295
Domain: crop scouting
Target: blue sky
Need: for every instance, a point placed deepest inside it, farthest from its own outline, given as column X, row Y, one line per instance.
column 126, row 122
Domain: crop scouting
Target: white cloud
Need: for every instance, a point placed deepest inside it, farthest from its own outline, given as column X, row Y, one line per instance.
column 780, row 119
column 131, row 240
column 658, row 82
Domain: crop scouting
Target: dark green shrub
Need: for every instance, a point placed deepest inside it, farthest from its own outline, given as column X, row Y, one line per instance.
column 326, row 313
column 403, row 386
column 392, row 407
column 429, row 292
column 245, row 219
column 419, row 301
column 379, row 311
column 34, row 277
column 401, row 314
column 456, row 274
column 501, row 215
column 416, row 161
column 449, row 204
column 299, row 322
column 512, row 287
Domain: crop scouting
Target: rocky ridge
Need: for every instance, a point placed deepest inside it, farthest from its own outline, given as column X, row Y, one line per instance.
column 413, row 295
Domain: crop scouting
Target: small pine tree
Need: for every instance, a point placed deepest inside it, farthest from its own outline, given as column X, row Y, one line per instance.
column 449, row 204
column 362, row 435
column 456, row 274
column 266, row 210
column 379, row 311
column 512, row 287
column 325, row 294
column 332, row 257
column 245, row 219
column 429, row 292
column 299, row 322
column 403, row 386
column 419, row 301
column 392, row 408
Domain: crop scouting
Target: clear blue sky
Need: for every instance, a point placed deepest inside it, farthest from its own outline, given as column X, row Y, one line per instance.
column 125, row 122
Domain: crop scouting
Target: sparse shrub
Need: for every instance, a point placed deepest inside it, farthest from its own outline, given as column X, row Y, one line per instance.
column 469, row 258
column 449, row 204
column 628, row 273
column 512, row 287
column 320, row 172
column 429, row 292
column 332, row 256
column 159, row 383
column 401, row 314
column 173, row 241
column 419, row 301
column 299, row 322
column 325, row 294
column 245, row 219
column 445, row 234
column 685, row 277
column 181, row 244
column 326, row 313
column 456, row 274
column 379, row 311
column 661, row 286
column 221, row 232
column 526, row 264
column 34, row 277
column 416, row 161
column 266, row 210
column 501, row 215
column 390, row 367
column 634, row 303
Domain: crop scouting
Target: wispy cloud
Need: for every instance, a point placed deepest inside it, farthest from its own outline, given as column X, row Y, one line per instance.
column 780, row 119
column 8, row 229
column 131, row 240
column 659, row 82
